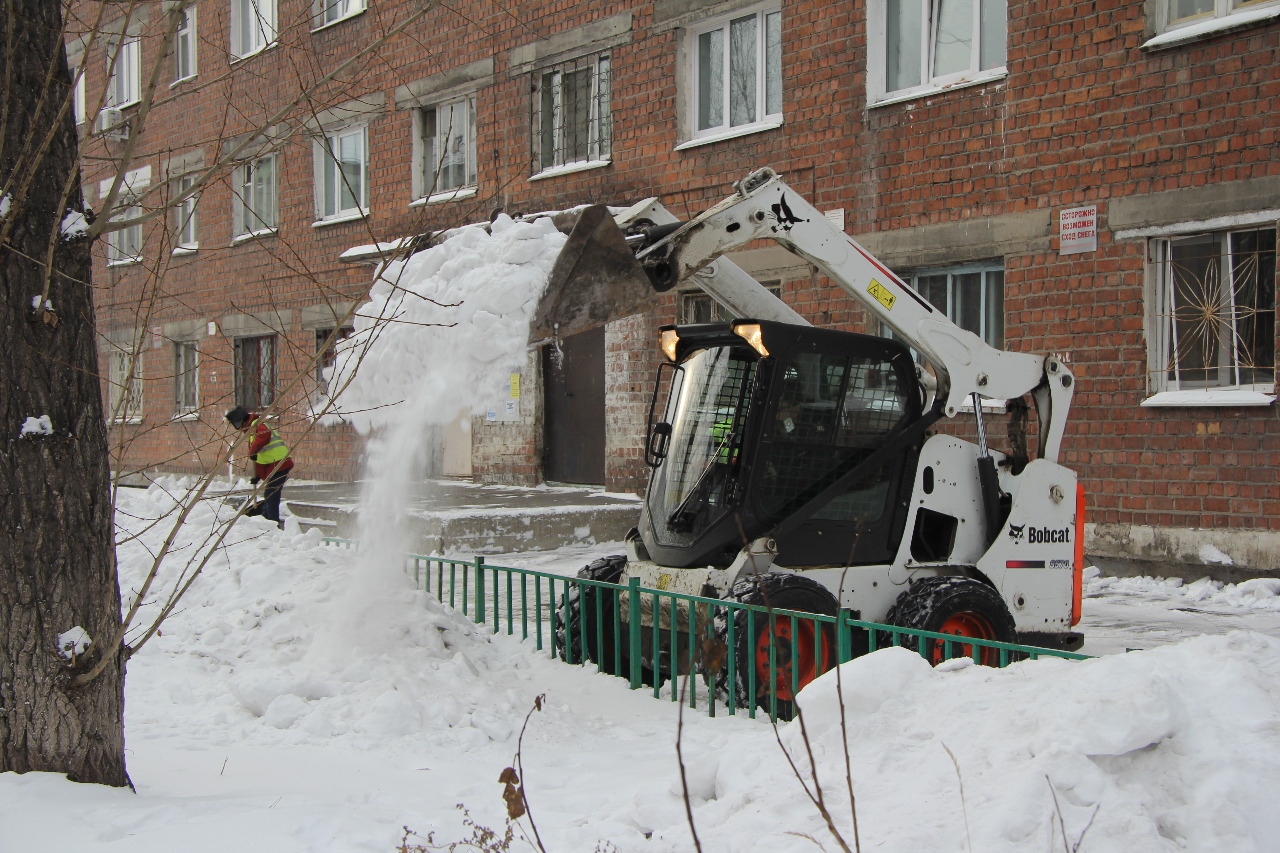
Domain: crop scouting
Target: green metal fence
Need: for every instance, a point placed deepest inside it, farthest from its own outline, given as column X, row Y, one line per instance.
column 579, row 620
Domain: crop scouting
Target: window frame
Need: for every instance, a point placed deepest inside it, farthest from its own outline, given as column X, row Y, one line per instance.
column 986, row 330
column 320, row 12
column 1224, row 14
column 244, row 194
column 119, row 361
column 878, row 84
column 694, row 302
column 765, row 119
column 250, row 41
column 125, row 245
column 124, row 73
column 325, row 161
column 265, row 389
column 425, row 178
column 186, row 378
column 1165, row 383
column 186, row 235
column 548, row 94
column 185, row 33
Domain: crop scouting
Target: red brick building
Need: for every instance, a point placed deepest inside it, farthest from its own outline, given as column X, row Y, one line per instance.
column 1100, row 181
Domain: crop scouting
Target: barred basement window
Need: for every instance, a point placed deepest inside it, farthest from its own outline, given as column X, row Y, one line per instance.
column 1212, row 310
column 572, row 122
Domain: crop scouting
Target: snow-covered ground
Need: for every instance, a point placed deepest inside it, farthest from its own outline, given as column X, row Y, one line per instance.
column 301, row 702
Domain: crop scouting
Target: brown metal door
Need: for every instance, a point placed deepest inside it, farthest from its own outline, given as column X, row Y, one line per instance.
column 574, row 381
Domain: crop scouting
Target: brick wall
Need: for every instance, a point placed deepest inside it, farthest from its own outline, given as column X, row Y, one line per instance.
column 1084, row 115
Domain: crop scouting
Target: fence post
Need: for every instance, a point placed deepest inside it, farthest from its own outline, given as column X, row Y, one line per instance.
column 633, row 629
column 479, row 613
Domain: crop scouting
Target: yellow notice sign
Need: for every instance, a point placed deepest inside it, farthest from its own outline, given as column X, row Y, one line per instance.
column 515, row 386
column 880, row 294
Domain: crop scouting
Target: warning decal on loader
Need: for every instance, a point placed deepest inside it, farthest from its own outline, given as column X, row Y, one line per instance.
column 881, row 295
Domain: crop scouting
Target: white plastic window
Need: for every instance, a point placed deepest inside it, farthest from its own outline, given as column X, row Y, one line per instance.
column 124, row 385
column 923, row 45
column 184, row 45
column 737, row 72
column 124, row 245
column 254, row 197
column 449, row 147
column 184, row 213
column 342, row 185
column 186, row 378
column 253, row 26
column 124, row 66
column 332, row 11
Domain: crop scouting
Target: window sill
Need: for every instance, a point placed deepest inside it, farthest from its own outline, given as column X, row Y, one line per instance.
column 253, row 235
column 185, row 416
column 134, row 421
column 251, row 54
column 357, row 13
column 734, row 133
column 1252, row 395
column 182, row 80
column 570, row 168
column 439, row 198
column 125, row 263
column 1211, row 28
column 180, row 251
column 926, row 91
column 340, row 218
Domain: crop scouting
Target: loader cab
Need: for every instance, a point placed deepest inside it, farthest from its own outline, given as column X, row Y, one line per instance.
column 774, row 429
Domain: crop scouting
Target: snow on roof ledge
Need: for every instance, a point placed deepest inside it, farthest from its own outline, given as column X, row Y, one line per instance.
column 373, row 251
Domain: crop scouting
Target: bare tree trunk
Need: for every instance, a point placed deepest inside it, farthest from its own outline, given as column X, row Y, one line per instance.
column 57, row 559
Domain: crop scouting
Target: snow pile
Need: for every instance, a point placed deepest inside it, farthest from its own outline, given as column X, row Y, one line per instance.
column 245, row 732
column 1177, row 748
column 269, row 608
column 1252, row 594
column 445, row 326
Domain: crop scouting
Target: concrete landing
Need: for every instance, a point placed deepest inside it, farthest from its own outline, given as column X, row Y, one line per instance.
column 458, row 517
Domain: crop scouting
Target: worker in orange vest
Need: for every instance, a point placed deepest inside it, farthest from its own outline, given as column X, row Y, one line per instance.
column 271, row 461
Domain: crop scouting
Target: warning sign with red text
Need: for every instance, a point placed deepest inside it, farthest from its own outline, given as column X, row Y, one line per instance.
column 1078, row 230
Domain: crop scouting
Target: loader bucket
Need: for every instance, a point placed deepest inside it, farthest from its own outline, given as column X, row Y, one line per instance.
column 596, row 278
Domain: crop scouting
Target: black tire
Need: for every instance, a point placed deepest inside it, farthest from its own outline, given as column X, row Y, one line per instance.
column 576, row 615
column 953, row 605
column 817, row 651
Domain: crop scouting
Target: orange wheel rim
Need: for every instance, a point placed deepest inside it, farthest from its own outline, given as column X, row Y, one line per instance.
column 810, row 661
column 966, row 624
